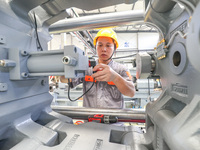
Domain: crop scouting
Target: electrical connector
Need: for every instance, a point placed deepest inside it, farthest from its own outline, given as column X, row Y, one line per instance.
column 161, row 50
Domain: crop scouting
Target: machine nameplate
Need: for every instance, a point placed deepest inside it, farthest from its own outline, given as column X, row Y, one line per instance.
column 98, row 144
column 71, row 142
column 180, row 89
column 181, row 28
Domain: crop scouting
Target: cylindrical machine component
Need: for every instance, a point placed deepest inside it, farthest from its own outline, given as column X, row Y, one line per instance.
column 146, row 84
column 45, row 63
column 83, row 113
column 57, row 63
column 193, row 39
column 69, row 61
column 7, row 63
column 96, row 21
column 143, row 65
column 161, row 6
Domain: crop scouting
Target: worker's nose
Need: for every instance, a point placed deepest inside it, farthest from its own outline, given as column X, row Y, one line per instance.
column 104, row 48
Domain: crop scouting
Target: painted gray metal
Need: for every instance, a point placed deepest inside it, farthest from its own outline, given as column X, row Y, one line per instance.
column 193, row 39
column 27, row 121
column 143, row 63
column 173, row 116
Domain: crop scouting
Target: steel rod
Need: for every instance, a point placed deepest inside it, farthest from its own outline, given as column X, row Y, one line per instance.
column 97, row 21
column 83, row 113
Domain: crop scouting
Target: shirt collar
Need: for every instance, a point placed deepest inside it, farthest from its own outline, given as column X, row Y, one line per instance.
column 108, row 63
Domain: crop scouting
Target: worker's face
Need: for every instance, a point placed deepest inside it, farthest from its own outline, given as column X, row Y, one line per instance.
column 105, row 48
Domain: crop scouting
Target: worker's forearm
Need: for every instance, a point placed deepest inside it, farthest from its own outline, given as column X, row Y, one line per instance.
column 125, row 87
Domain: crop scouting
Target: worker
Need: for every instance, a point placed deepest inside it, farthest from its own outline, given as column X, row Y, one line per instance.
column 112, row 79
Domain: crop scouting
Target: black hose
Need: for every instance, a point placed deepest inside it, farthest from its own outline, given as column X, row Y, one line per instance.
column 73, row 100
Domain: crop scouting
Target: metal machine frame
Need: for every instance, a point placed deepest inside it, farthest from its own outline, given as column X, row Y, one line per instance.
column 28, row 122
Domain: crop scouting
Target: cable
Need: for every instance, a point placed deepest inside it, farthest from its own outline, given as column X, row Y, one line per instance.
column 124, row 56
column 189, row 12
column 111, row 55
column 73, row 100
column 120, row 57
column 173, row 36
column 149, row 90
column 37, row 37
column 155, row 26
column 185, row 3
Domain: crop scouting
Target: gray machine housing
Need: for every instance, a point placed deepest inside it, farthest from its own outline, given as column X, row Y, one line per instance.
column 26, row 119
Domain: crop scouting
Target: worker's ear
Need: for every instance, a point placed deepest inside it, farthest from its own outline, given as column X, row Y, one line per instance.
column 114, row 47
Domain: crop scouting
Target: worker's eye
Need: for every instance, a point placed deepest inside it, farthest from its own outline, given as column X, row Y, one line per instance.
column 99, row 45
column 109, row 45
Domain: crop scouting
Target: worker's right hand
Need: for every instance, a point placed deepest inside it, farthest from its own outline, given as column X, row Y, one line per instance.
column 104, row 73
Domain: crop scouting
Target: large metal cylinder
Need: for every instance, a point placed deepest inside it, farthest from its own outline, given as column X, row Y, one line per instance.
column 97, row 21
column 161, row 6
column 143, row 65
column 45, row 63
column 83, row 113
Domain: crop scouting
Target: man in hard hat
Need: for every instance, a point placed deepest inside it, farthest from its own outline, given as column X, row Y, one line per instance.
column 112, row 79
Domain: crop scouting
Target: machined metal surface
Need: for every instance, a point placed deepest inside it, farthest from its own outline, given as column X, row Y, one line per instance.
column 143, row 65
column 172, row 115
column 97, row 21
column 193, row 39
column 83, row 113
column 28, row 122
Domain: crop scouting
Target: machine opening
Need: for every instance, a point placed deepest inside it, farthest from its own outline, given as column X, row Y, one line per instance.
column 177, row 58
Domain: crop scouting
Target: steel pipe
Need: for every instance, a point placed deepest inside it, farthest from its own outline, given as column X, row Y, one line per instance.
column 83, row 113
column 97, row 21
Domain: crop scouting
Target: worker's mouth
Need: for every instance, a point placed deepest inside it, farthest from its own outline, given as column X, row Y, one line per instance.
column 103, row 55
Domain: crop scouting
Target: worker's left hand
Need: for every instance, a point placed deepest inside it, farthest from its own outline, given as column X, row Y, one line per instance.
column 104, row 73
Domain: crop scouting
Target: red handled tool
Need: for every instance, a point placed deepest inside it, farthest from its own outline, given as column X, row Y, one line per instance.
column 99, row 118
column 92, row 63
